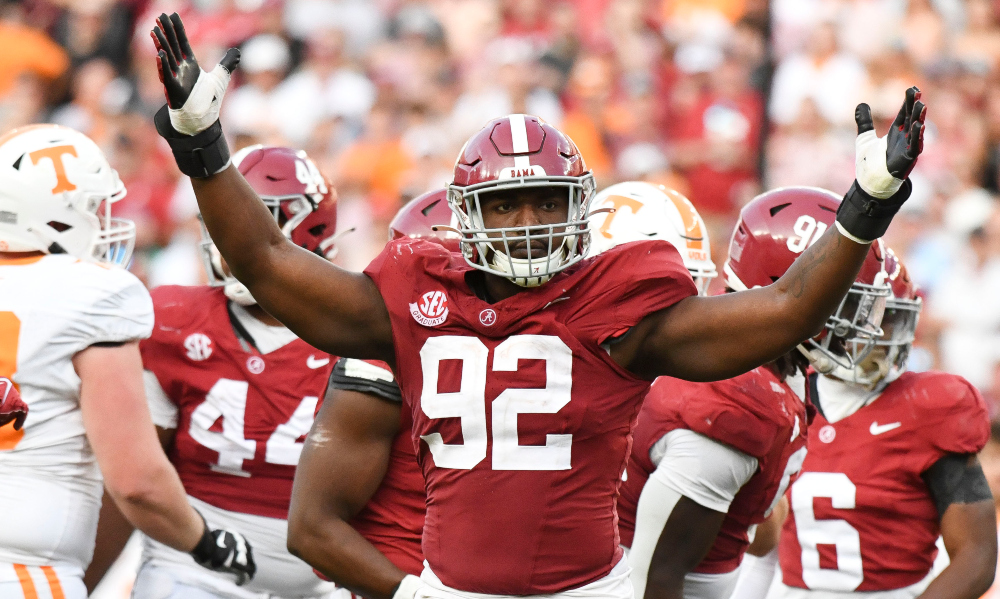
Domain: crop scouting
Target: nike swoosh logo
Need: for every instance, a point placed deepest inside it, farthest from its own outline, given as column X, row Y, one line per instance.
column 878, row 429
column 313, row 363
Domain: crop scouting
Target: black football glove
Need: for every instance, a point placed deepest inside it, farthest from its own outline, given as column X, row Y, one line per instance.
column 226, row 551
column 190, row 120
column 882, row 168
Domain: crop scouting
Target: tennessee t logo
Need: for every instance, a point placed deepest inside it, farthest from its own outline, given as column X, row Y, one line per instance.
column 617, row 202
column 692, row 228
column 55, row 154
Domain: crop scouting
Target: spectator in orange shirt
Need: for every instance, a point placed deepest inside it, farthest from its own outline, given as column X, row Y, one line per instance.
column 25, row 50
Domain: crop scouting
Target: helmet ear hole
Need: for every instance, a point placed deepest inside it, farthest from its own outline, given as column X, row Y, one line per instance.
column 317, row 230
column 58, row 226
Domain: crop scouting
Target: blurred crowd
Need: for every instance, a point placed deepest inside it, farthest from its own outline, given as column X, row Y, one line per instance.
column 719, row 99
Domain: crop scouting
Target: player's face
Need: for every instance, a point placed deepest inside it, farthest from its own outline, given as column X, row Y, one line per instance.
column 536, row 208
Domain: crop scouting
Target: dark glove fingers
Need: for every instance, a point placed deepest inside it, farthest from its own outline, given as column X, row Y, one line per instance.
column 19, row 420
column 863, row 117
column 916, row 140
column 168, row 30
column 164, row 49
column 231, row 60
column 161, row 59
column 182, row 38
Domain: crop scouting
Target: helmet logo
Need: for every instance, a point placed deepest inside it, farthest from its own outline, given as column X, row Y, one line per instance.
column 198, row 346
column 55, row 154
column 488, row 317
column 693, row 234
column 529, row 170
column 431, row 309
column 308, row 175
column 807, row 232
column 617, row 202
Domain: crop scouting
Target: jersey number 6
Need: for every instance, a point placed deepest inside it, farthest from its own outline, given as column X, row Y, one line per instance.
column 468, row 403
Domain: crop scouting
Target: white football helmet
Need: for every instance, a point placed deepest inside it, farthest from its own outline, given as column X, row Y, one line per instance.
column 56, row 191
column 644, row 211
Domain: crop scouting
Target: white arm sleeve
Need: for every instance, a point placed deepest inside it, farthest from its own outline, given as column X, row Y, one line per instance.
column 163, row 411
column 688, row 465
column 756, row 576
column 705, row 471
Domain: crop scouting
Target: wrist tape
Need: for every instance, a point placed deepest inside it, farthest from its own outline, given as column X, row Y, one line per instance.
column 200, row 155
column 866, row 218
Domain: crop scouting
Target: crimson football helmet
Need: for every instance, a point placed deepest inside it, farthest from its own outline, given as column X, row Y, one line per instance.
column 427, row 216
column 774, row 229
column 301, row 199
column 899, row 325
column 521, row 151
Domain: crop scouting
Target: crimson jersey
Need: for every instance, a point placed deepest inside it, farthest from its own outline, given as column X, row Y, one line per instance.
column 242, row 416
column 755, row 413
column 521, row 419
column 862, row 518
column 393, row 519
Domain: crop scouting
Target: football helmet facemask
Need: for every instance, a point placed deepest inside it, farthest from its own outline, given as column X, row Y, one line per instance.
column 773, row 230
column 899, row 325
column 644, row 211
column 56, row 191
column 301, row 199
column 517, row 152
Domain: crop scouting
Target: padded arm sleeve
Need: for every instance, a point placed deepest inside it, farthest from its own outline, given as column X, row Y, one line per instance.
column 365, row 376
column 956, row 478
column 705, row 471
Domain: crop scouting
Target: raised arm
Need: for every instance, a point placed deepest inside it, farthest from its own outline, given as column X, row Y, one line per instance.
column 334, row 310
column 711, row 338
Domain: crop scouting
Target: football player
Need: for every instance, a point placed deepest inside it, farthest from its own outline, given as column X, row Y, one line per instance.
column 385, row 501
column 522, row 365
column 233, row 392
column 70, row 323
column 710, row 461
column 891, row 462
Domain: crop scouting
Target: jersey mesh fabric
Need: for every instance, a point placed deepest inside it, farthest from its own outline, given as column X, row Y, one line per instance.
column 253, row 404
column 504, row 517
column 393, row 519
column 862, row 518
column 754, row 413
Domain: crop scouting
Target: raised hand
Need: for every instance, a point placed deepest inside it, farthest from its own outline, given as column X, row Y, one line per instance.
column 193, row 95
column 12, row 407
column 882, row 163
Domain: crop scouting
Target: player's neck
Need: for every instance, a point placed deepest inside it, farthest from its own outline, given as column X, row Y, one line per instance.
column 499, row 288
column 259, row 313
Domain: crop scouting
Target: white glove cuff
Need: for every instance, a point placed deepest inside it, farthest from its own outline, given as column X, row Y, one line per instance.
column 870, row 167
column 204, row 104
column 408, row 587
